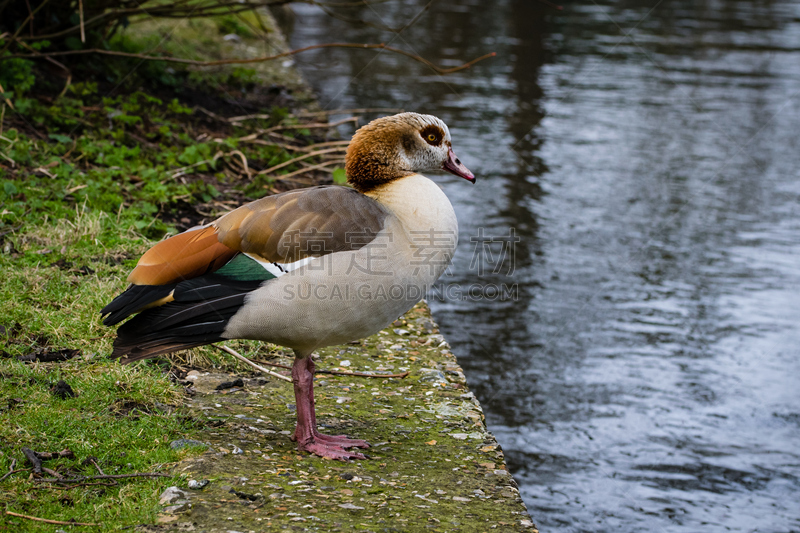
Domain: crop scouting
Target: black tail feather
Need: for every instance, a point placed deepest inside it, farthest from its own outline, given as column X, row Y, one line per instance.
column 198, row 315
column 132, row 300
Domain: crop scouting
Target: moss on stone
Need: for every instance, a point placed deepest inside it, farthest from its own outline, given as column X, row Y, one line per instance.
column 434, row 466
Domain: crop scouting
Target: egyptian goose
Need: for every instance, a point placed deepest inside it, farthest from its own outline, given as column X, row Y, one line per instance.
column 306, row 268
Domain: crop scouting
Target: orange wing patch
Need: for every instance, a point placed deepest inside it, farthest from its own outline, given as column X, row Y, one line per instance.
column 184, row 256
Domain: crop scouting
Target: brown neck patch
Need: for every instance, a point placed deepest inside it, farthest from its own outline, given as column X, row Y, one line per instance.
column 373, row 156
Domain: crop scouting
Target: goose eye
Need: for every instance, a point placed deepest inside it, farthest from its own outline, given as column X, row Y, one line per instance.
column 432, row 135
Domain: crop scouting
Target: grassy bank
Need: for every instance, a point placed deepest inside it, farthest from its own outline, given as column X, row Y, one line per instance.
column 93, row 171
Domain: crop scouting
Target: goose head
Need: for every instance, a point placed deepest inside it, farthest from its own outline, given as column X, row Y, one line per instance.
column 393, row 147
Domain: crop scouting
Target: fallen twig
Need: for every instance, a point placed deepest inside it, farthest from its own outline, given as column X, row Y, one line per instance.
column 249, row 362
column 10, row 103
column 363, row 374
column 63, row 454
column 310, row 125
column 52, row 472
column 35, row 461
column 211, row 114
column 296, row 159
column 349, row 111
column 342, row 372
column 10, row 469
column 182, row 171
column 80, row 479
column 341, row 144
column 309, row 169
column 243, row 158
column 93, row 460
column 198, row 63
column 48, row 521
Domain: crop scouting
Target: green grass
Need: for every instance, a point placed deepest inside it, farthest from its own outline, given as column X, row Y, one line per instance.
column 57, row 274
column 88, row 182
column 120, row 416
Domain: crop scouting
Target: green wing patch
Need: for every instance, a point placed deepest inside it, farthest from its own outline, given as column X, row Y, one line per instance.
column 244, row 268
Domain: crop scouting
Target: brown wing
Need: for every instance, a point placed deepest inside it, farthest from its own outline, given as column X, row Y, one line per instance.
column 304, row 223
column 282, row 228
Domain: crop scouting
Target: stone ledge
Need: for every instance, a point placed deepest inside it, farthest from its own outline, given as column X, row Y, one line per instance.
column 433, row 467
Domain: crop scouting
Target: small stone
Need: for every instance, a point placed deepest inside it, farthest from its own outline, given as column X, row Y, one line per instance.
column 185, row 443
column 431, row 442
column 399, row 331
column 170, row 495
column 237, row 450
column 197, row 485
column 344, row 362
column 349, row 506
column 460, row 499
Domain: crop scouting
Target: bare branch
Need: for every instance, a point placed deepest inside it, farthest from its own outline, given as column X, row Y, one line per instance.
column 19, row 30
column 197, row 63
column 331, row 13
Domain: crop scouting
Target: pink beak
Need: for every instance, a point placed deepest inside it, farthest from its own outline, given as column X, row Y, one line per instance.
column 454, row 166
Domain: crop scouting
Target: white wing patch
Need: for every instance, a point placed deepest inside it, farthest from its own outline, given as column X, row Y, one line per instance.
column 279, row 269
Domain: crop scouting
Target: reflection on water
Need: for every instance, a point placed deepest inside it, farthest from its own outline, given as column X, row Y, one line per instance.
column 647, row 156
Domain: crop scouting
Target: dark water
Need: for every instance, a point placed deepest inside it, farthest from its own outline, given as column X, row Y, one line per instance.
column 646, row 375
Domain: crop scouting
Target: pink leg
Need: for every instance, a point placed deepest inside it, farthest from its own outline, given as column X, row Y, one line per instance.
column 305, row 434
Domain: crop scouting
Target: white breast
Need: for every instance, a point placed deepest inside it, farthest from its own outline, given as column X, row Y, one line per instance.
column 350, row 295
